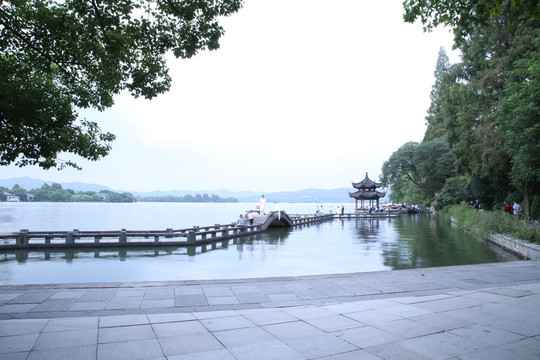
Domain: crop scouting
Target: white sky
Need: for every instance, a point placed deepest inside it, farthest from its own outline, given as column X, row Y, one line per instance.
column 301, row 94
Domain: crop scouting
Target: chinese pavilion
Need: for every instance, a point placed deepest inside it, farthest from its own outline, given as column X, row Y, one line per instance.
column 366, row 190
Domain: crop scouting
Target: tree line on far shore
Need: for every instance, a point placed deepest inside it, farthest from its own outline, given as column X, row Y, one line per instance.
column 187, row 198
column 55, row 193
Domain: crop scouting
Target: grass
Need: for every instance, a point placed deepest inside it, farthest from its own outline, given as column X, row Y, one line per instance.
column 482, row 223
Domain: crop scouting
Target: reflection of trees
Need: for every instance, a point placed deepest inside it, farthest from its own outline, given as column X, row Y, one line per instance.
column 424, row 241
column 409, row 241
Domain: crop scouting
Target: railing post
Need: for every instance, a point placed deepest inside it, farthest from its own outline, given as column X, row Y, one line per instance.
column 191, row 237
column 22, row 238
column 123, row 236
column 70, row 240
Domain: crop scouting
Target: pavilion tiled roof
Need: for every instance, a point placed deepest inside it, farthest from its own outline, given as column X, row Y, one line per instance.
column 366, row 184
column 367, row 194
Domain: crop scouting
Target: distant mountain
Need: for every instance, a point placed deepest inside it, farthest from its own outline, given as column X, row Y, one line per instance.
column 224, row 193
column 302, row 196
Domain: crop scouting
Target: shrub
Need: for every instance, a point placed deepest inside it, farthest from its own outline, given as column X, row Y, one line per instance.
column 482, row 223
column 535, row 208
column 454, row 191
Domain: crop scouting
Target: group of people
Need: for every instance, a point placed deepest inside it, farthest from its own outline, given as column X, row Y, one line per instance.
column 240, row 223
column 475, row 204
column 262, row 206
column 516, row 209
column 379, row 209
column 340, row 210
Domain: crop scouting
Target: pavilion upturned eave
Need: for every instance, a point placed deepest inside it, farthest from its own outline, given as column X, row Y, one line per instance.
column 367, row 195
column 366, row 184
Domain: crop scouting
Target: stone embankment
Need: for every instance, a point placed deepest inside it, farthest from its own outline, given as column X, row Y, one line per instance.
column 518, row 247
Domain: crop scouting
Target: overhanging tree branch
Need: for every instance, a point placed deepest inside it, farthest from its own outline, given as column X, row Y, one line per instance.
column 28, row 43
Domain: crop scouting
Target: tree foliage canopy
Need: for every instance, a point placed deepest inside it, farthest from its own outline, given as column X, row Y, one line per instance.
column 487, row 107
column 55, row 193
column 466, row 16
column 56, row 56
column 427, row 165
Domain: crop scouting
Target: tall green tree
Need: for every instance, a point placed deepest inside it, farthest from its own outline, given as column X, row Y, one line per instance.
column 468, row 106
column 486, row 106
column 427, row 165
column 439, row 93
column 58, row 56
column 520, row 124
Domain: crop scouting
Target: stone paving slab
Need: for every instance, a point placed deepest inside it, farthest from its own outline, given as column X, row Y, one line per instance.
column 101, row 299
column 484, row 319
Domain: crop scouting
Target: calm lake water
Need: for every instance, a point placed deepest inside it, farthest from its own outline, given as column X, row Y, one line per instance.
column 339, row 246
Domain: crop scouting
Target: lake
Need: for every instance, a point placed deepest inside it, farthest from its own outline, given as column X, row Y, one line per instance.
column 338, row 246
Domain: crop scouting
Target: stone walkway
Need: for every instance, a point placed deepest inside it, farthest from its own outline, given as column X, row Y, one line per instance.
column 485, row 311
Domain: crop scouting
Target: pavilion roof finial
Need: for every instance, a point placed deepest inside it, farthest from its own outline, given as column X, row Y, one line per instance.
column 366, row 184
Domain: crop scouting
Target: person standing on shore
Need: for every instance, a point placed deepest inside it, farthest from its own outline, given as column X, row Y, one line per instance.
column 517, row 208
column 262, row 205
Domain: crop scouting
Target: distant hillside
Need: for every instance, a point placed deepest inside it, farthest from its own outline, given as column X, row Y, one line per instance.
column 302, row 196
column 222, row 193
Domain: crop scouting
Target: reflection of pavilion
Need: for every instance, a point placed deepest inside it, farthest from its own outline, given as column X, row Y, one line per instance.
column 366, row 190
column 368, row 229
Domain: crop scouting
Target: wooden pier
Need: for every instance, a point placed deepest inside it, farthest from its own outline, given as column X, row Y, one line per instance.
column 26, row 239
column 196, row 235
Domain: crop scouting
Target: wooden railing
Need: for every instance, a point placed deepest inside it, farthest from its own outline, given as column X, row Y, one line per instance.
column 26, row 239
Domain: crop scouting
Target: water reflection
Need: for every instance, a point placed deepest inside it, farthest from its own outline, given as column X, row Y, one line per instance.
column 272, row 238
column 341, row 246
column 423, row 241
column 367, row 229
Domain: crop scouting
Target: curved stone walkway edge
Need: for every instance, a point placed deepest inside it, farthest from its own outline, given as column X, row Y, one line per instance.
column 104, row 299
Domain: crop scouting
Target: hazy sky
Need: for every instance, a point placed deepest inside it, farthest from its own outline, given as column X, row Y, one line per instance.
column 301, row 94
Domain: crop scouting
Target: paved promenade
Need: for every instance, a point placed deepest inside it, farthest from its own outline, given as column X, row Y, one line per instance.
column 488, row 311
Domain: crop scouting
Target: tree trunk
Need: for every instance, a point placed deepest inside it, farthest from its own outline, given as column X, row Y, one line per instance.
column 536, row 198
column 526, row 202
